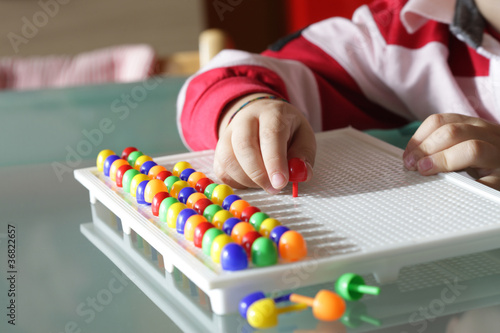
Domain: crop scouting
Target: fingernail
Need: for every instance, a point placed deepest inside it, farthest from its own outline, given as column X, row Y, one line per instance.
column 425, row 164
column 409, row 161
column 278, row 180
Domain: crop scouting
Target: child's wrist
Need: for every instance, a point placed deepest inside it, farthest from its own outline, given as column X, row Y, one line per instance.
column 254, row 100
column 233, row 106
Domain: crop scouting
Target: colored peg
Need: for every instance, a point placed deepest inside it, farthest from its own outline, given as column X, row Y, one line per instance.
column 177, row 187
column 356, row 314
column 202, row 184
column 233, row 257
column 249, row 299
column 297, row 170
column 218, row 243
column 247, row 213
column 219, row 218
column 182, row 218
column 237, row 207
column 184, row 175
column 164, row 207
column 220, row 193
column 210, row 211
column 352, row 287
column 185, row 193
column 326, row 305
column 228, row 201
column 127, row 152
column 229, row 224
column 157, row 200
column 133, row 156
column 140, row 161
column 276, row 234
column 194, row 177
column 108, row 162
column 103, row 155
column 155, row 170
column 140, row 191
column 191, row 224
column 146, row 166
column 120, row 173
column 170, row 181
column 154, row 186
column 240, row 230
column 292, row 246
column 179, row 167
column 199, row 233
column 264, row 252
column 201, row 204
column 268, row 225
column 208, row 239
column 162, row 175
column 210, row 189
column 264, row 313
column 134, row 184
column 127, row 178
column 248, row 239
column 114, row 168
column 256, row 219
column 173, row 213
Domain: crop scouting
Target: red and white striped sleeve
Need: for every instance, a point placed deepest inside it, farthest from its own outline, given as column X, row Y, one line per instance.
column 368, row 72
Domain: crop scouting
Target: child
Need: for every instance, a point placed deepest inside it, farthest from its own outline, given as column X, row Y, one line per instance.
column 396, row 61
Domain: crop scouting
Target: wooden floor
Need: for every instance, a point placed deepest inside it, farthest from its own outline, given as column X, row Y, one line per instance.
column 27, row 28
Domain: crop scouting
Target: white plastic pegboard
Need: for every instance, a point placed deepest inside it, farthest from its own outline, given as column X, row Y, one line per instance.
column 362, row 212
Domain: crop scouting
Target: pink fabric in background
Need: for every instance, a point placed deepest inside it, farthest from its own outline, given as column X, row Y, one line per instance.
column 125, row 63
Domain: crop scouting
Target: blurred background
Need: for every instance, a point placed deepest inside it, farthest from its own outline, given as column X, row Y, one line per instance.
column 70, row 27
column 67, row 64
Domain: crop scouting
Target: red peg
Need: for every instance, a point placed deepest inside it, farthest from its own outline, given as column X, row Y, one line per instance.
column 297, row 170
column 247, row 241
column 248, row 212
column 127, row 152
column 157, row 199
column 202, row 184
column 199, row 232
column 162, row 175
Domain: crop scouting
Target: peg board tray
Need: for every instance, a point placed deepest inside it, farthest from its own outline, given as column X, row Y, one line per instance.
column 362, row 212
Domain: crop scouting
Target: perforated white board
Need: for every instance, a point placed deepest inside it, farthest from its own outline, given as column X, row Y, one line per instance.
column 362, row 212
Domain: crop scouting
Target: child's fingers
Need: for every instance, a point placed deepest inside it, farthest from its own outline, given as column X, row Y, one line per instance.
column 431, row 124
column 274, row 132
column 471, row 153
column 443, row 138
column 492, row 180
column 227, row 168
column 246, row 147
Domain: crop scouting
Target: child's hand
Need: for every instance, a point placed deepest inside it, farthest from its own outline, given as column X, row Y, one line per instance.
column 453, row 142
column 253, row 150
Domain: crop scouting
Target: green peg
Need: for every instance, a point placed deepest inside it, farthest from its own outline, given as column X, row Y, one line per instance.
column 170, row 181
column 352, row 287
column 209, row 190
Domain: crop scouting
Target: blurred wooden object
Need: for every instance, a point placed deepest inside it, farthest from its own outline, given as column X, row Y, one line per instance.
column 211, row 42
column 253, row 25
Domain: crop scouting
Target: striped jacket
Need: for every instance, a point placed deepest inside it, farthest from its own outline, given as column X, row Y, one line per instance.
column 395, row 61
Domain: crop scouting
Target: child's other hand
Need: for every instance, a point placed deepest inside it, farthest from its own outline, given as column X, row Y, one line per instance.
column 253, row 150
column 453, row 142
